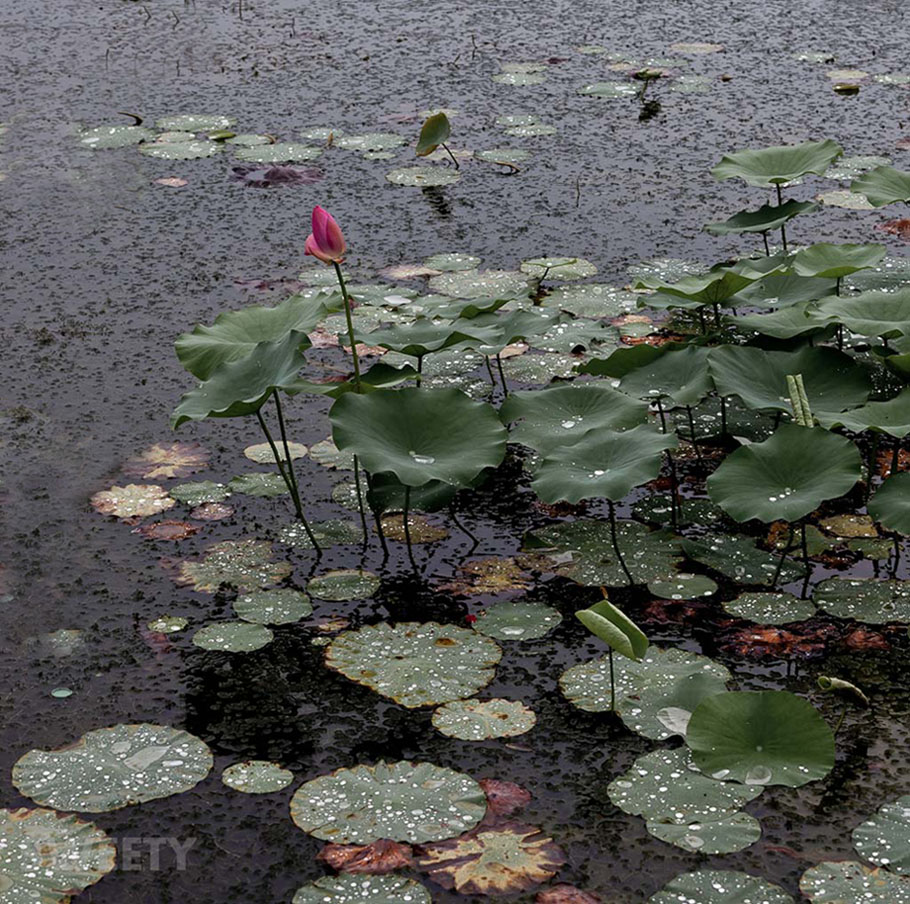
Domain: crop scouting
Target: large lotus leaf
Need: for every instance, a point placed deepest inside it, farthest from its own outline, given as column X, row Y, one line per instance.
column 242, row 386
column 653, row 696
column 740, row 559
column 416, row 664
column 833, row 380
column 424, row 336
column 884, row 839
column 777, row 165
column 760, row 738
column 420, row 435
column 786, row 476
column 480, row 720
column 245, row 564
column 849, row 882
column 782, row 289
column 830, row 261
column 561, row 415
column 602, row 464
column 45, row 856
column 715, row 287
column 679, row 374
column 413, row 802
column 583, row 552
column 614, row 628
column 353, row 888
column 883, row 185
column 493, row 860
column 623, row 361
column 885, row 314
column 720, row 886
column 890, row 505
column 767, row 217
column 865, row 599
column 709, row 836
column 802, row 319
column 110, row 768
column 891, row 417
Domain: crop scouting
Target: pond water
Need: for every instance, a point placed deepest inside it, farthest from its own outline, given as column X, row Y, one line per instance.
column 103, row 266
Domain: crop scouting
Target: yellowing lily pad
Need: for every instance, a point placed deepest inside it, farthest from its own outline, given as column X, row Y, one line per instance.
column 244, row 564
column 164, row 460
column 257, row 777
column 135, row 500
column 480, row 720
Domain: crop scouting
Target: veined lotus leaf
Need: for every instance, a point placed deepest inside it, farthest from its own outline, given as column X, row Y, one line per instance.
column 865, row 599
column 235, row 334
column 891, row 417
column 720, row 886
column 849, row 882
column 273, row 607
column 480, row 283
column 517, row 620
column 493, row 860
column 715, row 287
column 198, row 493
column 885, row 314
column 413, row 802
column 832, row 379
column 103, row 137
column 561, row 415
column 682, row 586
column 371, row 141
column 350, row 888
column 803, row 319
column 561, row 268
column 168, row 624
column 787, row 476
column 110, row 768
column 884, row 839
column 777, row 165
column 830, row 261
column 679, row 374
column 539, row 369
column 780, row 290
column 344, row 584
column 233, row 637
column 435, row 131
column 421, row 337
column 244, row 564
column 241, row 387
column 280, row 152
column 422, row 176
column 572, row 336
column 327, row 454
column 262, row 453
column 709, row 836
column 603, row 464
column 883, row 185
column 416, row 664
column 614, row 628
column 164, row 460
column 48, row 856
column 591, row 300
column 653, row 696
column 135, row 500
column 481, row 720
column 657, row 509
column 770, row 608
column 257, row 777
column 179, row 150
column 738, row 558
column 583, row 551
column 890, row 505
column 452, row 261
column 267, row 485
column 420, row 435
column 327, row 533
column 760, row 738
column 766, row 218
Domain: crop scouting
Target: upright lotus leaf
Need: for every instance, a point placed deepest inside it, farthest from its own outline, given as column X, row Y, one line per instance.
column 891, row 417
column 379, row 376
column 883, row 185
column 803, row 319
column 717, row 286
column 865, row 599
column 738, row 558
column 680, row 375
column 421, row 337
column 890, row 505
column 434, row 132
column 849, row 882
column 602, row 464
column 413, row 802
column 777, row 165
column 720, row 886
column 885, row 314
column 779, row 290
column 242, row 386
column 420, row 435
column 884, row 839
column 110, row 768
column 760, row 738
column 834, row 381
column 766, row 218
column 561, row 415
column 352, row 888
column 624, row 360
column 830, row 261
column 235, row 334
column 614, row 628
column 416, row 664
column 786, row 476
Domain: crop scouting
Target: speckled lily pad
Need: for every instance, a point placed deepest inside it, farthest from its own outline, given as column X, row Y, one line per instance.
column 273, row 607
column 770, row 608
column 199, row 493
column 559, row 268
column 479, row 283
column 105, row 137
column 257, row 777
column 370, row 141
column 244, row 564
column 865, row 599
column 327, row 533
column 884, row 839
column 452, row 261
column 681, row 586
column 739, row 558
column 608, row 89
column 422, row 176
column 233, row 637
column 518, row 620
column 267, row 485
column 168, row 624
column 280, row 152
column 480, row 720
column 135, row 500
column 344, row 584
column 352, row 888
column 262, row 453
column 327, row 454
column 503, row 155
column 712, row 886
column 180, row 150
column 193, row 122
column 849, row 882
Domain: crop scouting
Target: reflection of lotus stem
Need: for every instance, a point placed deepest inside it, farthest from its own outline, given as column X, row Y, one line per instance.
column 723, row 416
column 615, row 540
column 347, row 314
column 674, row 482
column 895, row 457
column 502, row 375
column 840, row 326
column 462, row 528
column 806, row 565
column 363, row 514
column 873, row 458
column 783, row 228
column 377, row 515
column 419, row 378
column 692, row 433
column 407, row 527
column 783, row 555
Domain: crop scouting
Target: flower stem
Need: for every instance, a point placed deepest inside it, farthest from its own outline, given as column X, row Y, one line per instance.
column 347, row 314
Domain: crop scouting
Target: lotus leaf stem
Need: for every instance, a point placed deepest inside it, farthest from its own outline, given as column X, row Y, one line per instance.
column 502, row 375
column 405, row 516
column 454, row 160
column 615, row 540
column 350, row 322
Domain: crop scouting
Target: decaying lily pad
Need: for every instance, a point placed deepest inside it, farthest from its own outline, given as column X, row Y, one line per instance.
column 345, row 584
column 267, row 485
column 233, row 637
column 712, row 886
column 352, row 889
column 488, row 576
column 275, row 175
column 257, row 777
column 884, row 839
column 273, row 607
column 504, row 798
column 199, row 493
column 566, row 894
column 244, row 564
column 110, row 768
column 135, row 500
column 374, row 859
column 211, row 511
column 421, row 530
column 480, row 720
column 865, row 599
column 517, row 620
column 167, row 530
column 412, row 802
column 416, row 664
column 262, row 453
column 849, row 882
column 164, row 460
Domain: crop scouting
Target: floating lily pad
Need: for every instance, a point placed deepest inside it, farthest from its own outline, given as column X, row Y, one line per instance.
column 846, row 199
column 413, row 802
column 416, row 664
column 351, row 888
column 848, row 168
column 104, row 137
column 198, row 493
column 849, row 526
column 710, row 836
column 480, row 283
column 539, row 369
column 245, row 564
column 420, row 530
column 327, row 533
column 493, row 576
column 422, row 176
column 608, row 89
column 591, row 300
column 273, row 607
column 168, row 624
column 267, row 485
column 681, row 586
column 211, row 511
column 452, row 262
column 770, row 608
column 696, row 47
column 865, row 599
column 657, row 509
column 262, row 453
column 481, row 720
column 559, row 268
column 370, row 141
column 344, row 584
column 166, row 137
column 191, row 122
column 135, row 500
column 884, row 839
column 517, row 620
column 738, row 558
column 257, row 777
column 848, row 882
column 114, row 767
column 166, row 460
column 180, row 150
column 711, row 886
column 233, row 637
column 280, row 152
column 665, row 269
column 519, row 78
column 327, row 454
column 248, row 140
column 536, row 130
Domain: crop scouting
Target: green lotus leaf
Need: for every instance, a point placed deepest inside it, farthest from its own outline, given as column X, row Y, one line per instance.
column 420, row 435
column 657, row 509
column 891, row 417
column 517, row 620
column 680, row 586
column 110, row 768
column 354, row 888
column 434, row 132
column 167, row 624
column 197, row 493
column 777, row 165
column 452, row 261
column 424, row 336
column 344, row 584
column 280, row 152
column 883, row 185
column 564, row 268
column 327, row 533
column 481, row 720
column 803, row 319
column 103, row 137
column 480, row 283
column 715, row 287
column 760, row 738
column 786, row 476
column 370, row 141
column 849, row 882
column 890, row 505
column 738, row 558
column 770, row 608
column 614, row 628
column 233, row 637
column 412, row 802
column 709, row 836
column 766, row 218
column 245, row 564
column 257, row 777
column 387, row 494
column 273, row 607
column 885, row 314
column 865, row 599
column 539, row 369
column 179, row 150
column 267, row 485
column 830, row 261
column 678, row 374
column 884, row 839
column 779, row 290
column 832, row 379
column 720, row 886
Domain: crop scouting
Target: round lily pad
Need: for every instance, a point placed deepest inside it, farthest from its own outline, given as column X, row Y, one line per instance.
column 681, row 586
column 844, row 198
column 416, row 664
column 262, row 453
column 371, row 141
column 104, row 137
column 413, row 802
column 345, row 584
column 248, row 140
column 504, row 156
column 480, row 720
column 710, row 836
column 608, row 89
column 257, row 777
column 192, row 122
column 539, row 369
column 884, row 839
column 714, row 886
column 865, row 599
column 135, row 500
column 517, row 620
column 168, row 624
column 479, row 283
column 327, row 454
column 535, row 130
column 452, row 262
column 352, row 888
column 737, row 557
column 273, row 607
column 280, row 152
column 245, row 564
column 519, row 78
column 199, row 493
column 327, row 533
column 559, row 268
column 266, row 485
column 321, row 133
column 849, row 882
column 110, row 768
column 770, row 608
column 180, row 150
column 233, row 637
column 422, row 176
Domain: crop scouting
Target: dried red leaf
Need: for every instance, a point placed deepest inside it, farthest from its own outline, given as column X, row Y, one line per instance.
column 566, row 894
column 864, row 639
column 900, row 227
column 167, row 530
column 885, row 457
column 804, row 642
column 504, row 798
column 166, row 460
column 379, row 857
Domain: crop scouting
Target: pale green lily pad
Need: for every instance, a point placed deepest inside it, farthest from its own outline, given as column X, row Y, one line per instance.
column 411, row 802
column 519, row 78
column 273, row 607
column 345, row 584
column 262, row 453
column 681, row 586
column 849, row 882
column 233, row 637
column 345, row 495
column 353, row 888
column 480, row 283
column 815, row 56
column 327, row 533
column 452, row 261
column 168, row 624
column 180, row 150
column 536, row 130
column 505, row 156
column 245, row 564
column 191, row 122
column 166, row 137
column 892, row 78
column 517, row 620
column 710, row 836
column 322, row 133
column 846, row 75
column 539, row 369
column 267, row 485
column 416, row 664
column 115, row 767
column 608, row 89
column 696, row 47
column 422, row 176
column 738, row 558
column 104, row 137
column 846, row 199
column 135, row 500
column 280, row 152
column 481, row 720
column 248, row 140
column 591, row 300
column 45, row 856
column 770, row 608
column 710, row 886
column 692, row 84
column 865, row 599
column 559, row 268
column 198, row 493
column 848, row 168
column 658, row 509
column 884, row 839
column 371, row 141
column 257, row 777
column 510, row 120
column 327, row 454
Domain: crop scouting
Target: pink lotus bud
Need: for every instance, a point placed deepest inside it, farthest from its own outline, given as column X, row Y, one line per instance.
column 326, row 241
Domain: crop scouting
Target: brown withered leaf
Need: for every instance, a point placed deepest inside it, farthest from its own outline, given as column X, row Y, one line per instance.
column 165, row 460
column 167, row 530
column 803, row 642
column 504, row 798
column 419, row 527
column 864, row 639
column 656, row 339
column 673, row 612
column 212, row 511
column 487, row 576
column 375, row 859
column 565, row 894
column 899, row 227
column 885, row 458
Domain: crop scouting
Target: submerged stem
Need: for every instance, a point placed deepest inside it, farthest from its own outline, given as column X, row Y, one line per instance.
column 350, row 322
column 783, row 555
column 615, row 540
column 806, row 564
